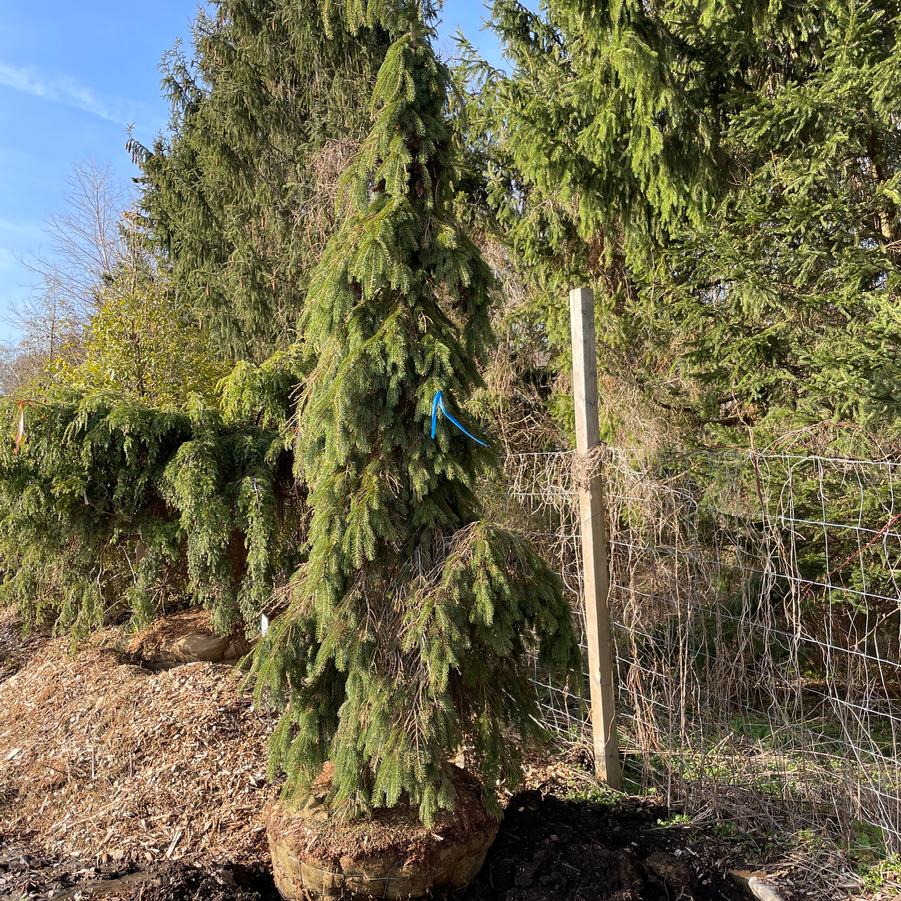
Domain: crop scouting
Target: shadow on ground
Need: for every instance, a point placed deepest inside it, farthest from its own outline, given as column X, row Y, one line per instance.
column 551, row 848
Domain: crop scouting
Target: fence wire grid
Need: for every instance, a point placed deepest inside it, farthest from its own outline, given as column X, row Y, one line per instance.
column 755, row 601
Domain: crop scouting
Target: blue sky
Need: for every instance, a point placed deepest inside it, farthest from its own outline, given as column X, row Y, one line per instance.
column 72, row 76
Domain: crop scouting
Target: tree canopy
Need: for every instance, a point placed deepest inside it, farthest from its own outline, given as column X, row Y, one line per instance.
column 248, row 419
column 411, row 619
column 726, row 176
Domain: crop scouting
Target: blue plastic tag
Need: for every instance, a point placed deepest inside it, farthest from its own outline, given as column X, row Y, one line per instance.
column 438, row 405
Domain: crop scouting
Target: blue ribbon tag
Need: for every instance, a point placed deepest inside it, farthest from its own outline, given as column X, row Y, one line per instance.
column 438, row 405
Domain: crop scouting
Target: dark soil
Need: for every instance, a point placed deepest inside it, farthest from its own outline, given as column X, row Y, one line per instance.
column 548, row 849
column 25, row 874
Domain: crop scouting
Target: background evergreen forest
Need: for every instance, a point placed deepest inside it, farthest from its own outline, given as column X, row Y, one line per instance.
column 724, row 174
column 156, row 467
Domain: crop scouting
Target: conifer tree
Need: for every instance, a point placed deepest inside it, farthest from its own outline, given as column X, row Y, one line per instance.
column 749, row 287
column 411, row 621
column 787, row 297
column 239, row 194
column 725, row 175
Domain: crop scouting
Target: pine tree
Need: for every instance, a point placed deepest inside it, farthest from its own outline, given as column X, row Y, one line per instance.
column 411, row 621
column 239, row 194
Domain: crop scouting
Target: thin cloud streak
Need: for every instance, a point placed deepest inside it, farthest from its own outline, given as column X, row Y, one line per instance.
column 57, row 88
column 8, row 261
column 20, row 228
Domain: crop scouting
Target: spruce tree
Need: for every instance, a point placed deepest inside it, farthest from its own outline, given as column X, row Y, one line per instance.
column 411, row 622
column 787, row 296
column 725, row 175
column 238, row 194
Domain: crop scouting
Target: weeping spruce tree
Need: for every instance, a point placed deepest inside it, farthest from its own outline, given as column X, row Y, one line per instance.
column 411, row 621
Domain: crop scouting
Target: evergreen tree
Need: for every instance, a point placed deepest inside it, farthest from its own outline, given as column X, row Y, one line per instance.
column 725, row 175
column 111, row 508
column 749, row 286
column 239, row 194
column 411, row 620
column 787, row 297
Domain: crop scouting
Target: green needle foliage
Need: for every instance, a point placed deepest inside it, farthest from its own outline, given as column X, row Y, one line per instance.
column 114, row 509
column 239, row 194
column 411, row 622
column 790, row 292
column 726, row 176
column 137, row 484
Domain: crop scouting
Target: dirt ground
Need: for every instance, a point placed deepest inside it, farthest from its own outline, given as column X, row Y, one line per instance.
column 548, row 849
column 29, row 874
column 553, row 848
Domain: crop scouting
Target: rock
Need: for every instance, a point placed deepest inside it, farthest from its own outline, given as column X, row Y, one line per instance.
column 765, row 891
column 198, row 646
column 186, row 637
column 237, row 648
column 757, row 885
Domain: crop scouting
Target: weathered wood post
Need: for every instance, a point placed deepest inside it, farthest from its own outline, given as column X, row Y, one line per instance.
column 596, row 579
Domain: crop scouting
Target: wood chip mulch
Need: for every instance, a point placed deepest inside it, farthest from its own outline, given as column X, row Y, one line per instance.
column 112, row 763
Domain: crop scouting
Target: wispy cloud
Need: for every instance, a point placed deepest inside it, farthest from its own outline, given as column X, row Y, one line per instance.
column 24, row 229
column 58, row 88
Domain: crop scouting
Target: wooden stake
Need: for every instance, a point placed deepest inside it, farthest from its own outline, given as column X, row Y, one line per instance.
column 596, row 580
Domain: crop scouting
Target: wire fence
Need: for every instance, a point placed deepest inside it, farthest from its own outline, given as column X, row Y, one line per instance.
column 756, row 601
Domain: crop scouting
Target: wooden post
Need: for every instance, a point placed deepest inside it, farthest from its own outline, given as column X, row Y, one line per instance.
column 596, row 579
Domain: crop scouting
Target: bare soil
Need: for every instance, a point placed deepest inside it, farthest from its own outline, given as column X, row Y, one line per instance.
column 548, row 849
column 29, row 874
column 553, row 848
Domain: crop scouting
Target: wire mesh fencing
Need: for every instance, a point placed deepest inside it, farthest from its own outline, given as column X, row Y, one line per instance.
column 757, row 624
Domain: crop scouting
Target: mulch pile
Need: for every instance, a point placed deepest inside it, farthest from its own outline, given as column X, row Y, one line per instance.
column 111, row 763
